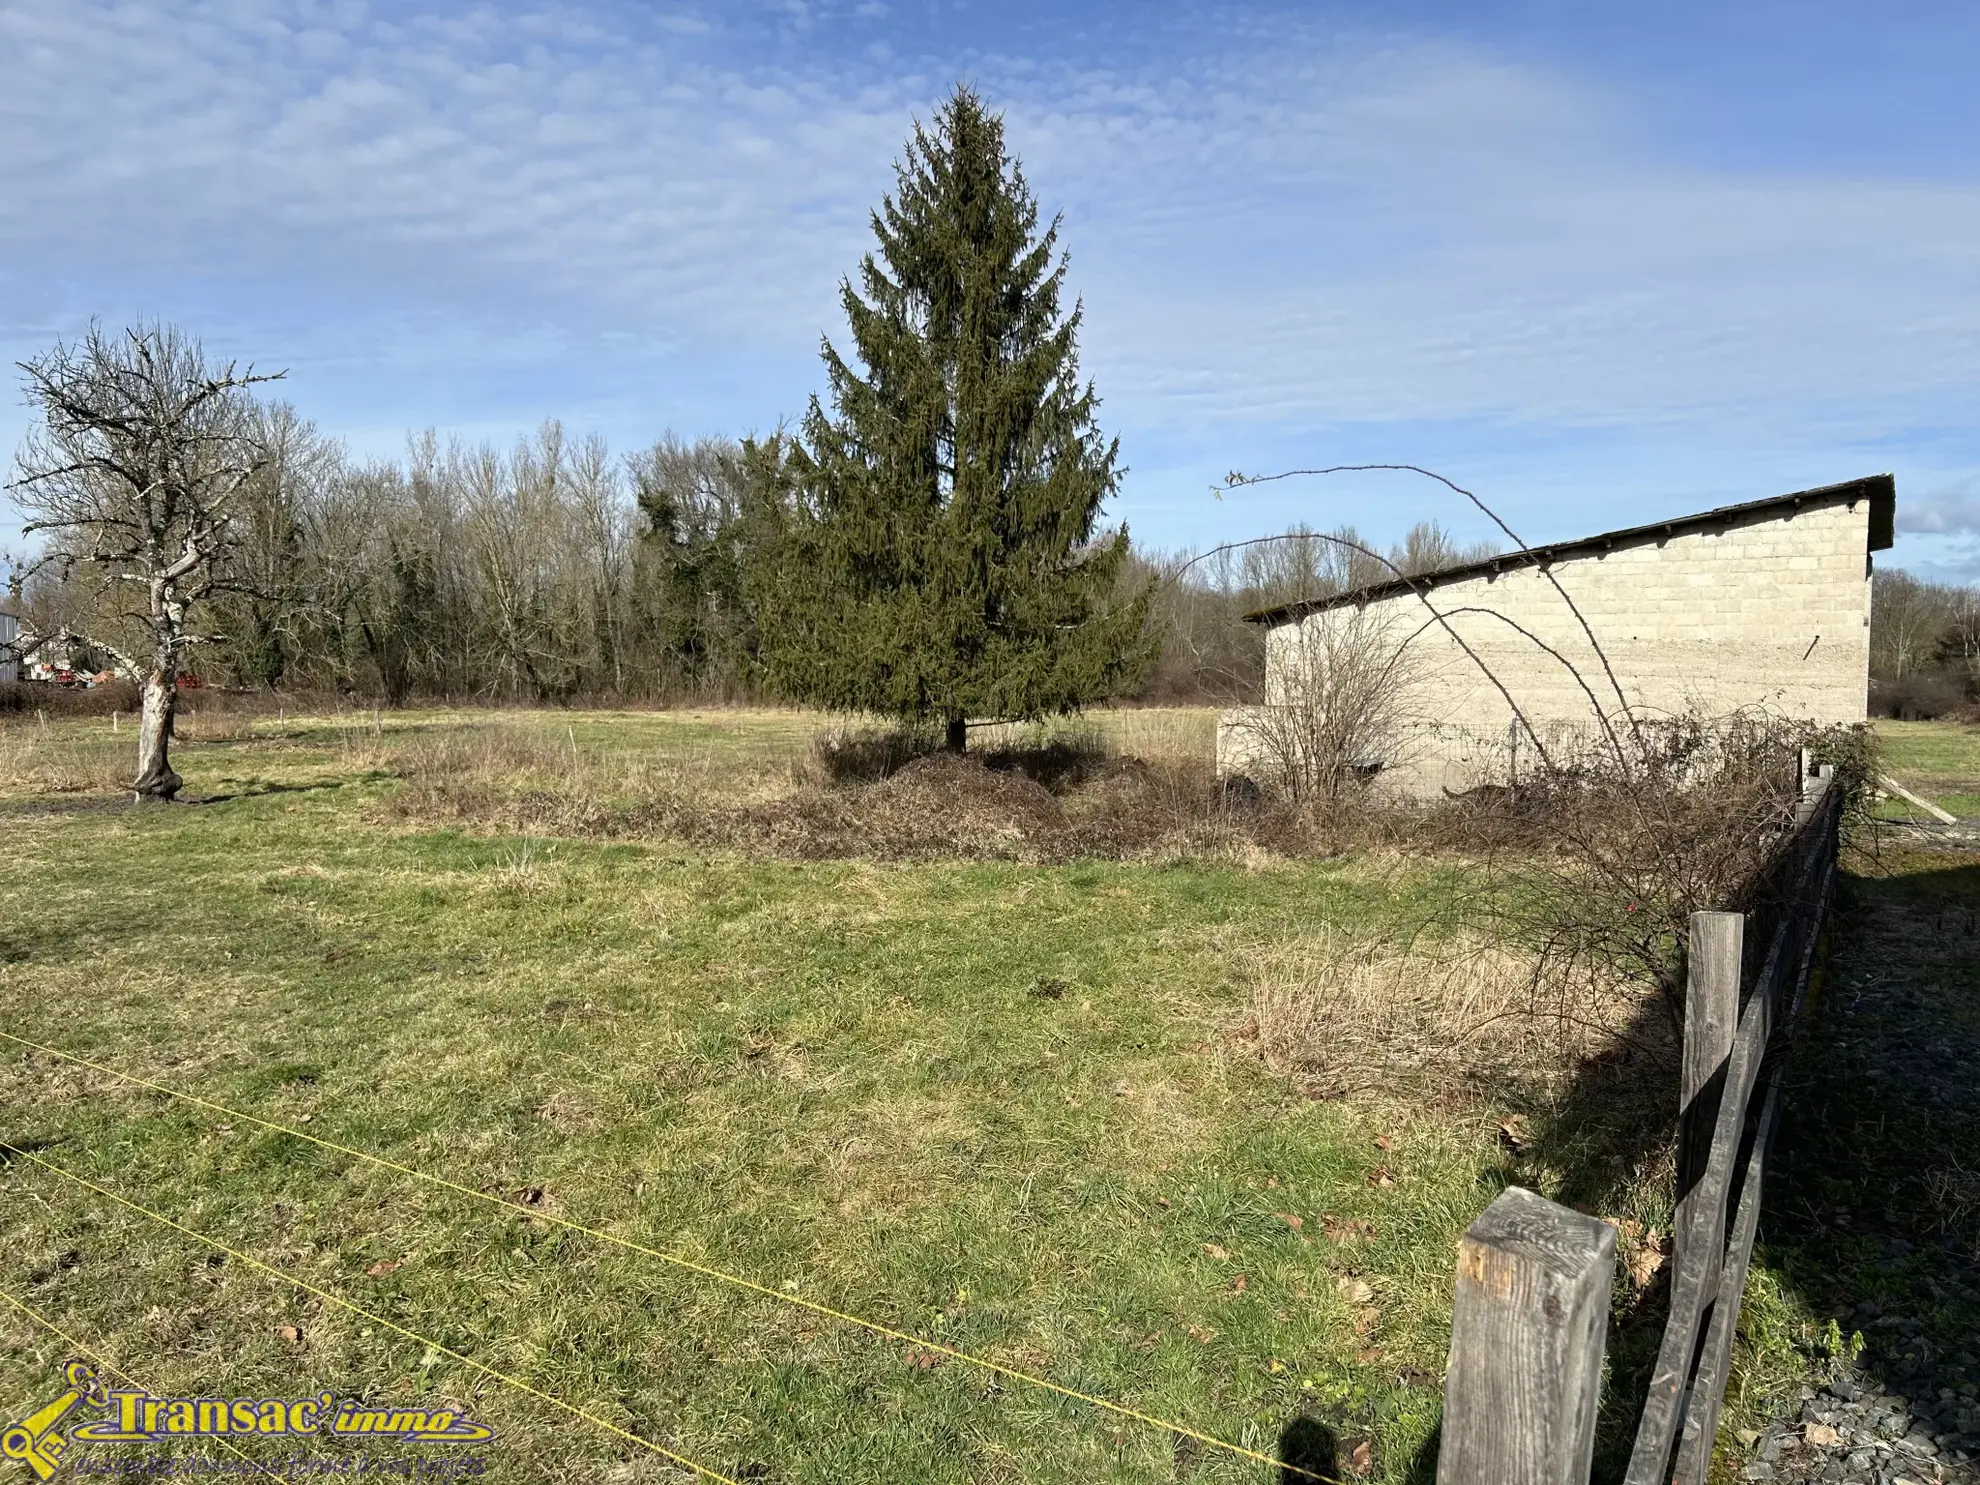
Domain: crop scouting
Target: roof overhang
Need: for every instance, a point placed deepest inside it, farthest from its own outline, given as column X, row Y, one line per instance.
column 1880, row 490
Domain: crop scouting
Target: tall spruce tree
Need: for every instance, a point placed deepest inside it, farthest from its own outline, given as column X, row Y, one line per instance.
column 937, row 556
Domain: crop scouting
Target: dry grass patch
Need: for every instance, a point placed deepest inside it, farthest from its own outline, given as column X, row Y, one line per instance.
column 37, row 757
column 1049, row 795
column 1461, row 1017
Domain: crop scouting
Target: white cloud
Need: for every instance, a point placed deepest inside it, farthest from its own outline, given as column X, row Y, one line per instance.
column 1287, row 229
column 1940, row 515
column 465, row 152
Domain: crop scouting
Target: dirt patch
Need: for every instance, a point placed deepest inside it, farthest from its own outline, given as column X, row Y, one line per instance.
column 94, row 804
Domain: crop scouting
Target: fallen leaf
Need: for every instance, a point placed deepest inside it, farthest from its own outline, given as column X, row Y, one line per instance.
column 1272, row 1183
column 1199, row 1333
column 1647, row 1261
column 1240, row 1284
column 1358, row 1291
column 1821, row 1435
column 1383, row 1142
column 1381, row 1176
column 1747, row 1436
column 380, row 1269
column 924, row 1361
column 530, row 1196
column 1368, row 1355
column 1295, row 1223
column 1216, row 1252
column 1366, row 1319
column 1512, row 1134
column 1361, row 1458
column 290, row 1333
column 1163, row 1202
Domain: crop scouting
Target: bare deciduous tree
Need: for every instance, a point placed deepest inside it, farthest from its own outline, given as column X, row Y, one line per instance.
column 135, row 476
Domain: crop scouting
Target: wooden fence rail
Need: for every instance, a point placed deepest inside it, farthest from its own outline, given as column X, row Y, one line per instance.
column 1529, row 1325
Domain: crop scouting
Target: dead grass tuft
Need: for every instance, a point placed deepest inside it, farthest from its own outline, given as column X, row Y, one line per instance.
column 1462, row 1017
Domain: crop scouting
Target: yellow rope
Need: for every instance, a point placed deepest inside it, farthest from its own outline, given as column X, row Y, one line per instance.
column 360, row 1310
column 79, row 1349
column 995, row 1367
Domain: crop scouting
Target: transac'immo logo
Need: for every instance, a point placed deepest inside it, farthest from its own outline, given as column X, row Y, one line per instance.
column 134, row 1416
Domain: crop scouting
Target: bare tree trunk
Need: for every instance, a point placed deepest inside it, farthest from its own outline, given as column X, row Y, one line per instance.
column 957, row 738
column 155, row 779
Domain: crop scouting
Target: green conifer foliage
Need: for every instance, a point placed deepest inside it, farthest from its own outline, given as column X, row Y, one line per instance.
column 937, row 557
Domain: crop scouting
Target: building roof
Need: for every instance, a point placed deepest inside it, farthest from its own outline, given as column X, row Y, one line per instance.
column 1879, row 489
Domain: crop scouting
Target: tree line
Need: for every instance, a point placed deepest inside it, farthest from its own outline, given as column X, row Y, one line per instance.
column 549, row 570
column 1924, row 645
column 555, row 570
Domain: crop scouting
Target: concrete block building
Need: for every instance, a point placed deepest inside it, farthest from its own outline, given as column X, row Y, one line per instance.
column 1764, row 605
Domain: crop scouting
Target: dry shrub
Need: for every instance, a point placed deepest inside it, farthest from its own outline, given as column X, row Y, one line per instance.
column 1338, row 694
column 1607, row 860
column 481, row 756
column 1459, row 1018
column 986, row 807
column 1608, row 852
column 29, row 698
column 503, row 777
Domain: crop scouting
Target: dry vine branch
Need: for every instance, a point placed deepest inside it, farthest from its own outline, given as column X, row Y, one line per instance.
column 1236, row 480
column 1422, row 597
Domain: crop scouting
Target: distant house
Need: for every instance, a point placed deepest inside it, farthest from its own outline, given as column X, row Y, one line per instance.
column 1764, row 605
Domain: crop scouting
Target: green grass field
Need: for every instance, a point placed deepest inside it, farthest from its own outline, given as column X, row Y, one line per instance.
column 1938, row 760
column 990, row 1105
column 1004, row 1108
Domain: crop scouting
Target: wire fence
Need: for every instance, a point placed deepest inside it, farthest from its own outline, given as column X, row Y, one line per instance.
column 1287, row 1469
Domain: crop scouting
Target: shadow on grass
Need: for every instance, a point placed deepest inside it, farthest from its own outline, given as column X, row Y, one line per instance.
column 256, row 791
column 1308, row 1447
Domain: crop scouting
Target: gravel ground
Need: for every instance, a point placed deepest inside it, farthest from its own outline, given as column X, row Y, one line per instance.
column 1873, row 1204
column 1853, row 1431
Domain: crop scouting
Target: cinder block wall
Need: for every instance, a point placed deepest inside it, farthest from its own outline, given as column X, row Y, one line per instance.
column 1771, row 611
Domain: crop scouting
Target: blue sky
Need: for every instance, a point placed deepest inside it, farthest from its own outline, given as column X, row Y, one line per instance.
column 1602, row 263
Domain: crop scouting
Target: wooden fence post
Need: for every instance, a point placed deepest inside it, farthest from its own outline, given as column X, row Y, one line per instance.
column 1528, row 1329
column 1711, row 1014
